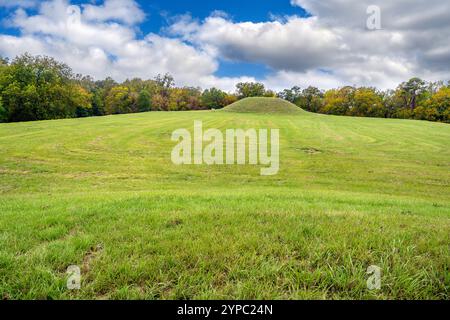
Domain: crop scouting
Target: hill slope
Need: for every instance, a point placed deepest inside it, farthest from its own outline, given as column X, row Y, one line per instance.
column 263, row 105
column 102, row 193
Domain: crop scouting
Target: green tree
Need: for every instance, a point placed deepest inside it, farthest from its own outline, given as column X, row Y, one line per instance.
column 144, row 101
column 339, row 101
column 98, row 104
column 160, row 103
column 437, row 108
column 310, row 99
column 426, row 112
column 118, row 100
column 81, row 101
column 250, row 89
column 163, row 85
column 270, row 94
column 366, row 103
column 38, row 88
column 3, row 112
column 106, row 84
column 291, row 95
column 135, row 85
column 229, row 99
column 182, row 99
column 411, row 91
column 213, row 98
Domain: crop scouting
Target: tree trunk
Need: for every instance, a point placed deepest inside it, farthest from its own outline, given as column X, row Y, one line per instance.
column 413, row 103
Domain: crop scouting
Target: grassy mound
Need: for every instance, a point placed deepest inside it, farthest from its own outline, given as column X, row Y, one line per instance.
column 263, row 105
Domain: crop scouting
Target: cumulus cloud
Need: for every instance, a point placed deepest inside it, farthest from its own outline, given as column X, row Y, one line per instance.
column 413, row 41
column 330, row 48
column 399, row 14
column 18, row 3
column 302, row 48
column 417, row 31
column 98, row 43
column 126, row 11
column 297, row 44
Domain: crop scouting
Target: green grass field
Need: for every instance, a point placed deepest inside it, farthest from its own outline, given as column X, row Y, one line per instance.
column 103, row 194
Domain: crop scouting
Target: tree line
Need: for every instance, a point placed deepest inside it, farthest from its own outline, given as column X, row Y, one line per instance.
column 41, row 88
column 413, row 99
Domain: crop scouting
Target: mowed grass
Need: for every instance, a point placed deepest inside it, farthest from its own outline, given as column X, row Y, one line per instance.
column 102, row 193
column 263, row 105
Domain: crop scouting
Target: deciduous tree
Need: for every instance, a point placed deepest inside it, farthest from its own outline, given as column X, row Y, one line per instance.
column 213, row 99
column 118, row 100
column 144, row 101
column 250, row 89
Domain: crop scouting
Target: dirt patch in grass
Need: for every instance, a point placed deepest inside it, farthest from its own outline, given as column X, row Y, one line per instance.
column 93, row 252
column 311, row 150
column 174, row 223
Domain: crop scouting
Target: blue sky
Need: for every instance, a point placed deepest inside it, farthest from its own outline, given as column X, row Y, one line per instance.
column 218, row 43
column 239, row 10
column 159, row 14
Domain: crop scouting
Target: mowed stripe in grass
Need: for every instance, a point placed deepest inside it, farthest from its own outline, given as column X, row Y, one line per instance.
column 103, row 194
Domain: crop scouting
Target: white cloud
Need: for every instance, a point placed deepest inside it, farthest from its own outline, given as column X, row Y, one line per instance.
column 126, row 11
column 297, row 44
column 286, row 79
column 413, row 42
column 417, row 31
column 107, row 48
column 329, row 49
column 399, row 14
column 18, row 3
